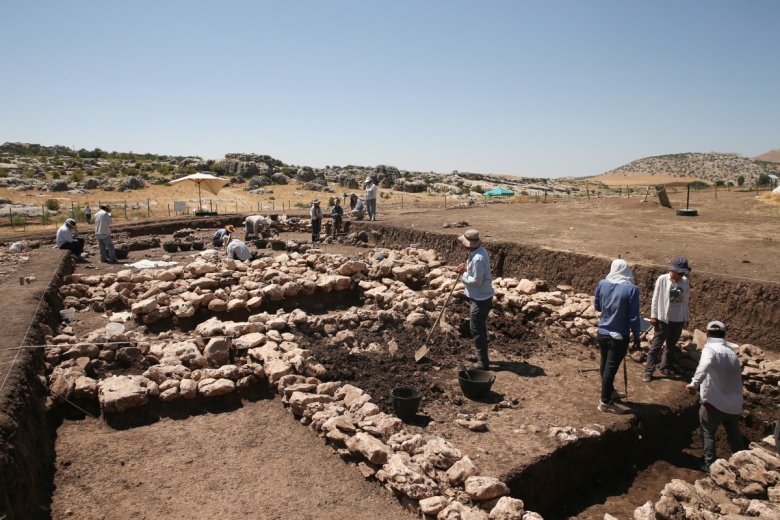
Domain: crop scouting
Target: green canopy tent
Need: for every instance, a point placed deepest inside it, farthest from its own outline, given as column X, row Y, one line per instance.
column 499, row 192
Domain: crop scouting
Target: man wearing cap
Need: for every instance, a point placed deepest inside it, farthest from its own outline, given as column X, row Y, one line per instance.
column 478, row 279
column 315, row 212
column 67, row 238
column 371, row 198
column 718, row 379
column 103, row 235
column 236, row 249
column 668, row 315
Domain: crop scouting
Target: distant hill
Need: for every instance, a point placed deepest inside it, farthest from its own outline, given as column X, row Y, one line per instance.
column 710, row 167
column 770, row 156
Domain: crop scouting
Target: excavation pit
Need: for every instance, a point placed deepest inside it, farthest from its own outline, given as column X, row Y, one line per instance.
column 540, row 418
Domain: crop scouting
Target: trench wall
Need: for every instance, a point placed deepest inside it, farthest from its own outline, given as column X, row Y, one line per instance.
column 751, row 309
column 26, row 435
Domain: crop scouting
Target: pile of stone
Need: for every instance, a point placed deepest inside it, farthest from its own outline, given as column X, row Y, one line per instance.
column 746, row 485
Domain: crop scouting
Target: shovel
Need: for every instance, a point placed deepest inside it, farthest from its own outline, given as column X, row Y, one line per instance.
column 423, row 351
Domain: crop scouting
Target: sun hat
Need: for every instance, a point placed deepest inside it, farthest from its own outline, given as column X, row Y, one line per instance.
column 680, row 265
column 230, row 228
column 70, row 222
column 369, row 179
column 315, row 201
column 716, row 325
column 470, row 238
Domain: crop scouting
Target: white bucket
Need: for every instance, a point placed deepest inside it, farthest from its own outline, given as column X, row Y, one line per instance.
column 16, row 247
column 733, row 346
column 114, row 328
column 68, row 315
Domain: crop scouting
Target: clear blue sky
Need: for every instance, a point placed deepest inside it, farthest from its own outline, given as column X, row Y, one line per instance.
column 544, row 88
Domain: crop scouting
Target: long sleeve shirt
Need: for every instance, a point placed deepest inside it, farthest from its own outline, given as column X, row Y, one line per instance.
column 103, row 224
column 315, row 212
column 719, row 377
column 371, row 192
column 619, row 307
column 478, row 278
column 237, row 250
column 64, row 235
column 670, row 300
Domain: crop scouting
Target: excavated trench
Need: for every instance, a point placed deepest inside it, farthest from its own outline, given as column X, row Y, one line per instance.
column 558, row 485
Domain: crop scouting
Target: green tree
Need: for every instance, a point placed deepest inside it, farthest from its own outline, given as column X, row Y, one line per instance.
column 741, row 180
column 763, row 180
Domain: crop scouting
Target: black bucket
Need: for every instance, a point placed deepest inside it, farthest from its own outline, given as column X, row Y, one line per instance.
column 476, row 383
column 406, row 401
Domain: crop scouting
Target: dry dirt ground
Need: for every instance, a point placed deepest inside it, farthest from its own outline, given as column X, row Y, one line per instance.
column 182, row 466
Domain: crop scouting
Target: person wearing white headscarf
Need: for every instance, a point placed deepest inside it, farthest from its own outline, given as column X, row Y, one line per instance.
column 617, row 298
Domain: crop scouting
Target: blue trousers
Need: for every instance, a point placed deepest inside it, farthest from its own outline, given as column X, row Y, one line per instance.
column 612, row 353
column 478, row 322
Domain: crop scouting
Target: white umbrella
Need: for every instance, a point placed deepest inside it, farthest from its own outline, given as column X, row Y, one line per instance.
column 209, row 182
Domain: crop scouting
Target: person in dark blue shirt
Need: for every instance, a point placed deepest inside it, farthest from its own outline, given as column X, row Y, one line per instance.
column 617, row 298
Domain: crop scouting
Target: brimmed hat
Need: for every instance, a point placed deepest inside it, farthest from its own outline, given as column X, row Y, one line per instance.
column 70, row 222
column 315, row 201
column 716, row 325
column 369, row 179
column 230, row 228
column 680, row 265
column 470, row 238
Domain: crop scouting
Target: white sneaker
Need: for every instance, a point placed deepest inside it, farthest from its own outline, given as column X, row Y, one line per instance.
column 611, row 408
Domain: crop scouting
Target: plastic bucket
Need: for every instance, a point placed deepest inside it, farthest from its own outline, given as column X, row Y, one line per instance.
column 68, row 315
column 406, row 401
column 475, row 383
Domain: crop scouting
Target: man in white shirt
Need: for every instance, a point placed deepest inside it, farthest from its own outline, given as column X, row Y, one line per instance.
column 67, row 238
column 237, row 250
column 371, row 198
column 668, row 314
column 103, row 235
column 718, row 379
column 477, row 278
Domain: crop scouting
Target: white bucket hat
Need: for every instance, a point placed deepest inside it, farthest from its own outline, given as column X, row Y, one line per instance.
column 470, row 238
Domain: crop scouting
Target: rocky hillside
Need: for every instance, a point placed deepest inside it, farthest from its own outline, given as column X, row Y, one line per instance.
column 770, row 156
column 25, row 167
column 711, row 167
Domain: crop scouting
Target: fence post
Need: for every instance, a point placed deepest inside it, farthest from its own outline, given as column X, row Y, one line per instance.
column 169, row 210
column 43, row 215
column 125, row 209
column 148, row 209
column 445, row 202
column 73, row 211
column 11, row 217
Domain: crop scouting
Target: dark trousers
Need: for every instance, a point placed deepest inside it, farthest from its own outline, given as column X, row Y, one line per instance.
column 710, row 419
column 315, row 229
column 664, row 341
column 76, row 247
column 612, row 353
column 479, row 315
column 336, row 227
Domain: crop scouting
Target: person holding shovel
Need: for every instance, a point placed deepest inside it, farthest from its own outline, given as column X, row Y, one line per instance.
column 478, row 279
column 668, row 314
column 617, row 298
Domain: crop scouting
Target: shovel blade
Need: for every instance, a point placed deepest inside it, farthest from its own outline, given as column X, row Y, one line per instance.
column 420, row 353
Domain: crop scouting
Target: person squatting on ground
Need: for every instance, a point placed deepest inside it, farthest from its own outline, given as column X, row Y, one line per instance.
column 356, row 207
column 218, row 237
column 67, row 238
column 371, row 198
column 316, row 220
column 236, row 249
column 668, row 315
column 255, row 225
column 478, row 279
column 617, row 298
column 103, row 235
column 337, row 214
column 718, row 379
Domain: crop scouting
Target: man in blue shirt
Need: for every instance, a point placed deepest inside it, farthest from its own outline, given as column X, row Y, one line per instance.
column 617, row 298
column 478, row 279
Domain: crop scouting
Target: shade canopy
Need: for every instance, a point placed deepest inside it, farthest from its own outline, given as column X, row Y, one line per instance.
column 207, row 181
column 499, row 192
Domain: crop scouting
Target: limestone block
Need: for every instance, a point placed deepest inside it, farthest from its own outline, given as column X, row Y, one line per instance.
column 120, row 393
column 188, row 388
column 461, row 470
column 217, row 305
column 417, row 319
column 407, row 478
column 432, row 505
column 723, row 475
column 161, row 373
column 211, row 327
column 170, row 394
column 299, row 401
column 457, row 511
column 235, row 304
column 441, row 453
column 485, row 488
column 211, row 387
column 252, row 340
column 216, row 352
column 371, row 448
column 182, row 309
column 275, row 369
column 328, row 388
column 508, row 508
column 85, row 388
column 144, row 306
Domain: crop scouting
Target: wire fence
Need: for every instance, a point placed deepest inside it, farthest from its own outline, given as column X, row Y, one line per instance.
column 19, row 218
